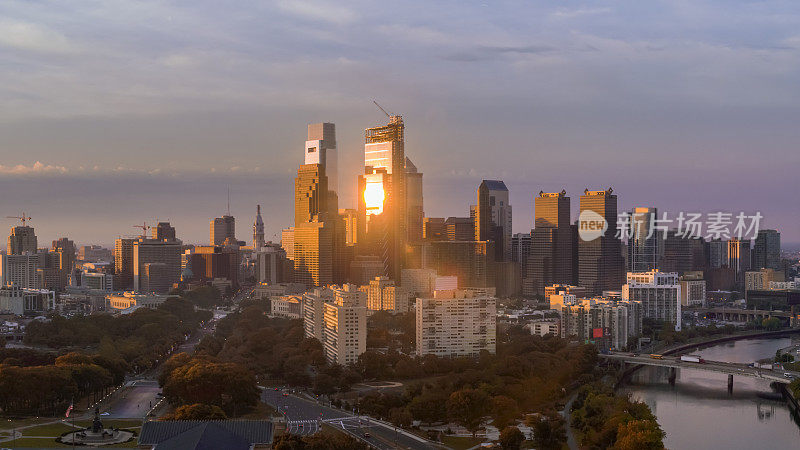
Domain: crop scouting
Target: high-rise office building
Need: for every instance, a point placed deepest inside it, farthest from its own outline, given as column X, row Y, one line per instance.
column 550, row 260
column 22, row 240
column 313, row 235
column 434, row 229
column 646, row 244
column 767, row 250
column 471, row 261
column 321, row 149
column 678, row 253
column 312, row 254
column 123, row 263
column 521, row 250
column 212, row 262
column 493, row 217
column 416, row 210
column 20, row 270
column 601, row 266
column 311, row 194
column 717, row 253
column 222, row 228
column 163, row 231
column 258, row 230
column 739, row 257
column 460, row 229
column 156, row 265
column 456, row 323
column 382, row 199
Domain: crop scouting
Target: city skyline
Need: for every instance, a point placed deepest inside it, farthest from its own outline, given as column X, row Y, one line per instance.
column 590, row 96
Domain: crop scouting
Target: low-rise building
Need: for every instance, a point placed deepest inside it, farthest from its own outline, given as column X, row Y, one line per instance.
column 130, row 299
column 288, row 306
column 456, row 323
column 18, row 301
column 544, row 327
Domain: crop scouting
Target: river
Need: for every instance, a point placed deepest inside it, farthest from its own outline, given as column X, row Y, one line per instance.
column 699, row 413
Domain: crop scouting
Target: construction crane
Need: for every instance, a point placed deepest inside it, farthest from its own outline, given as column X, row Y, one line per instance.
column 381, row 108
column 23, row 218
column 144, row 228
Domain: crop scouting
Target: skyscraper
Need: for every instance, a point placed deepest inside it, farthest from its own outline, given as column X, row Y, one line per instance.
column 311, row 194
column 321, row 149
column 550, row 260
column 123, row 262
column 767, row 250
column 156, row 264
column 21, row 240
column 163, row 231
column 646, row 245
column 493, row 217
column 222, row 228
column 416, row 211
column 601, row 266
column 382, row 196
column 739, row 257
column 258, row 230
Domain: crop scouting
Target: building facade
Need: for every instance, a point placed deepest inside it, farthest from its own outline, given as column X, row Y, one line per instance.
column 456, row 323
column 658, row 292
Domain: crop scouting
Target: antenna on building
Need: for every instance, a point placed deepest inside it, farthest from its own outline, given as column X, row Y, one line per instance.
column 229, row 200
column 23, row 218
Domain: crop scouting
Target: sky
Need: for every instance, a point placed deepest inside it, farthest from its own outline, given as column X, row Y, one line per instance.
column 117, row 112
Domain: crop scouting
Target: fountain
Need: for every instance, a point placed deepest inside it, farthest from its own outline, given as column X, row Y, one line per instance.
column 96, row 435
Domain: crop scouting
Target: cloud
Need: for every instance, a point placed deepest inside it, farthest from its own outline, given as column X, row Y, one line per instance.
column 572, row 13
column 33, row 37
column 317, row 11
column 35, row 168
column 484, row 53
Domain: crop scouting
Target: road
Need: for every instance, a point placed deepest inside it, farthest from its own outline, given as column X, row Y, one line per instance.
column 134, row 400
column 713, row 366
column 305, row 416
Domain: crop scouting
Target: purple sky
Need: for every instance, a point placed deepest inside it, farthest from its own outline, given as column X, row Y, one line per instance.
column 138, row 110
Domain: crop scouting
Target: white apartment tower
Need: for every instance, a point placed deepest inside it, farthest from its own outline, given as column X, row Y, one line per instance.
column 456, row 323
column 658, row 292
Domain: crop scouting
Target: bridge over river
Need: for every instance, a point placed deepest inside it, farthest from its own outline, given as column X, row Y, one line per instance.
column 730, row 369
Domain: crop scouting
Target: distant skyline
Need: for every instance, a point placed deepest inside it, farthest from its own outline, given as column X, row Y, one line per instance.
column 119, row 112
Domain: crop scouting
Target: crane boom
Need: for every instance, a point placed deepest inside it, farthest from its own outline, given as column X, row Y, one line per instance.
column 381, row 108
column 24, row 218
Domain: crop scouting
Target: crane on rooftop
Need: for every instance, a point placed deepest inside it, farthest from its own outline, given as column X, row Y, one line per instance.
column 144, row 228
column 24, row 218
column 381, row 108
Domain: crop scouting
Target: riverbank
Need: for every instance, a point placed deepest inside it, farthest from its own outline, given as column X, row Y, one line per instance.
column 698, row 403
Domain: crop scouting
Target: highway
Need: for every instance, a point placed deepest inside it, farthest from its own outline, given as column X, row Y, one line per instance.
column 712, row 366
column 305, row 416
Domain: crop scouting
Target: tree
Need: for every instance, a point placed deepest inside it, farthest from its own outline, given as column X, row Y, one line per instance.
column 504, row 410
column 511, row 438
column 548, row 431
column 228, row 385
column 197, row 411
column 324, row 384
column 639, row 435
column 771, row 324
column 467, row 407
